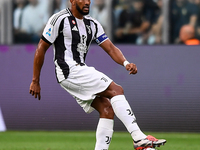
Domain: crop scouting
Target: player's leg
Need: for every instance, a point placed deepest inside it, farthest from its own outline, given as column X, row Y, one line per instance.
column 124, row 112
column 104, row 129
column 126, row 115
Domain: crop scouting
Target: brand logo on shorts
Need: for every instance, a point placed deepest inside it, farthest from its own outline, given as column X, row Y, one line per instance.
column 104, row 79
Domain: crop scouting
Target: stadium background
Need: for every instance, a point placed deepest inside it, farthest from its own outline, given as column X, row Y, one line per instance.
column 164, row 94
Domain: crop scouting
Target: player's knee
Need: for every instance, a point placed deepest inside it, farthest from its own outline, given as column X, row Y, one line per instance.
column 107, row 112
column 118, row 90
column 104, row 107
column 121, row 90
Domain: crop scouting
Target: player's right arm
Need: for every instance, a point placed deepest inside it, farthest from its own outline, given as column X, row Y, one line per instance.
column 37, row 66
column 48, row 37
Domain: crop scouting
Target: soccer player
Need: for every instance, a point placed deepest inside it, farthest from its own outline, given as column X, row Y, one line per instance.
column 71, row 32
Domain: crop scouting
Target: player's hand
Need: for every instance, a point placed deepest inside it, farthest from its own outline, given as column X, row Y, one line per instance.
column 132, row 68
column 35, row 90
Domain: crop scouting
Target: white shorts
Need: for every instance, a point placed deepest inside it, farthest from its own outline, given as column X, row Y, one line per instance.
column 83, row 83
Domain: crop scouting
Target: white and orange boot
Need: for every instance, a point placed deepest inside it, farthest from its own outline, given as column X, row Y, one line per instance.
column 148, row 142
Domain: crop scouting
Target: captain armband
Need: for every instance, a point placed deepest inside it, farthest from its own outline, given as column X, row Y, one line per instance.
column 101, row 39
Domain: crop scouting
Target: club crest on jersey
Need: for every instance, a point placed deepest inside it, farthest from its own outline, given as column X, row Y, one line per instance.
column 89, row 29
column 49, row 32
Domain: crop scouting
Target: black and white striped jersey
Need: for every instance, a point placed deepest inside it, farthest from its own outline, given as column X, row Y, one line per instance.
column 71, row 38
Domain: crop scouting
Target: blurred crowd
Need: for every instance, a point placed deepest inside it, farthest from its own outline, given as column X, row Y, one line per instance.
column 185, row 21
column 29, row 18
column 141, row 21
column 132, row 21
column 137, row 21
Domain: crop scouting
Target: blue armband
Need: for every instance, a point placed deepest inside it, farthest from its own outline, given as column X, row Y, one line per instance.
column 101, row 39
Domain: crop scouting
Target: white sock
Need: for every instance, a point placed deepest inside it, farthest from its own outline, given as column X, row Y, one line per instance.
column 104, row 133
column 124, row 112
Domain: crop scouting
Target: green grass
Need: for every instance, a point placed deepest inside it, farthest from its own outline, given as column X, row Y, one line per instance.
column 84, row 140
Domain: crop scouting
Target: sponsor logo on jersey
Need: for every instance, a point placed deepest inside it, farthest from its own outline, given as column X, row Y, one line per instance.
column 81, row 47
column 74, row 22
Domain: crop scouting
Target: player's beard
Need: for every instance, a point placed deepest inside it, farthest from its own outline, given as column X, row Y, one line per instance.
column 81, row 11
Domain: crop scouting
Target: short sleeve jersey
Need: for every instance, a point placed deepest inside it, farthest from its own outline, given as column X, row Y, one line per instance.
column 71, row 38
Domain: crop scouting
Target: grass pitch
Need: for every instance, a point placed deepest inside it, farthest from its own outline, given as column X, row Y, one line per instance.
column 85, row 140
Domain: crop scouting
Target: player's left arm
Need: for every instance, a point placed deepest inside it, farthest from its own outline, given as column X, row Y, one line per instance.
column 116, row 54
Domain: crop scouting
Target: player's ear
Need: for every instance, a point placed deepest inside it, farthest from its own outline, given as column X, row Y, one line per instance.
column 72, row 2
